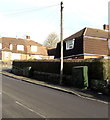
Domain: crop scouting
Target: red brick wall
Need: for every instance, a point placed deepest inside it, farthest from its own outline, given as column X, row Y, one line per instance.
column 95, row 46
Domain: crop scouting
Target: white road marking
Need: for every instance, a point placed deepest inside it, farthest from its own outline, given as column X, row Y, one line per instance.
column 26, row 106
column 29, row 109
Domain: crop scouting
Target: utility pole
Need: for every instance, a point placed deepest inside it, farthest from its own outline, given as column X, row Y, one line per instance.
column 61, row 39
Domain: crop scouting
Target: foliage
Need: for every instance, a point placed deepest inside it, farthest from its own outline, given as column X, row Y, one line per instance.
column 51, row 40
column 97, row 68
column 49, row 70
column 100, row 86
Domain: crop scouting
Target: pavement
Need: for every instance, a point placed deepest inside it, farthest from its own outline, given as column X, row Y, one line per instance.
column 83, row 93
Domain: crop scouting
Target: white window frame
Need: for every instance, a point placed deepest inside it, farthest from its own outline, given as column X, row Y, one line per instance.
column 70, row 44
column 11, row 46
column 0, row 45
column 20, row 47
column 33, row 48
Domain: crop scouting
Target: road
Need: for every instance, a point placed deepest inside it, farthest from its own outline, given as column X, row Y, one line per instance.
column 25, row 100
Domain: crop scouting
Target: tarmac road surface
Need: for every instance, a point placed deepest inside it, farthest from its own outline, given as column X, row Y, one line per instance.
column 25, row 100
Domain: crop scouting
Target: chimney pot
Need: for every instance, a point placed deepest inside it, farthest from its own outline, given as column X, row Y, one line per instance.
column 106, row 27
column 27, row 37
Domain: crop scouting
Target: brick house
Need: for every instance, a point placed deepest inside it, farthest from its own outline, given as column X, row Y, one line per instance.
column 87, row 43
column 20, row 49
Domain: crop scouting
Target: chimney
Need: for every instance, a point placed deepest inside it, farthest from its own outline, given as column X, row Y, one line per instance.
column 106, row 27
column 27, row 37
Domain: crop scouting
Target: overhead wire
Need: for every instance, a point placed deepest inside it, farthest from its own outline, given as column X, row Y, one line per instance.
column 26, row 10
column 50, row 13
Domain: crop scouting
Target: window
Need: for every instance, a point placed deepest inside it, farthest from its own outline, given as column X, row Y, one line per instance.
column 34, row 48
column 70, row 44
column 20, row 47
column 11, row 46
column 0, row 45
column 16, row 56
column 6, row 55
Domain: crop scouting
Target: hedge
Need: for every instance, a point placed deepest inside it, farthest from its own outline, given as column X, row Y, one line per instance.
column 97, row 68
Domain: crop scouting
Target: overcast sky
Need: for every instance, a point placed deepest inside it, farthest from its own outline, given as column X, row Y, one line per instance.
column 38, row 18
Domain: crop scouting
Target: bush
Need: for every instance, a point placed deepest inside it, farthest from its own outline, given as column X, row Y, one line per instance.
column 17, row 71
column 47, row 77
column 27, row 71
column 100, row 86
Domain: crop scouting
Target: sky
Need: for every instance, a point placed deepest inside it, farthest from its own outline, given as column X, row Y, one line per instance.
column 39, row 18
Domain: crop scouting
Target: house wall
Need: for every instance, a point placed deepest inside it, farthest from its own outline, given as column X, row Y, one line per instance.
column 58, row 49
column 95, row 46
column 23, row 57
column 22, row 54
column 51, row 52
column 19, row 56
column 91, row 56
column 14, row 50
column 89, row 43
column 78, row 48
column 0, row 55
column 42, row 50
column 6, row 56
column 28, row 49
column 27, row 45
column 0, row 39
column 78, row 57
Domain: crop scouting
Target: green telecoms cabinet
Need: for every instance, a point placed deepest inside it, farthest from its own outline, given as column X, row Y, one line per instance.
column 80, row 76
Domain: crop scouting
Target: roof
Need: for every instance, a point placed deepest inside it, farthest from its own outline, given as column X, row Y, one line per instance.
column 6, row 49
column 92, row 32
column 19, row 41
column 51, row 52
column 77, row 34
